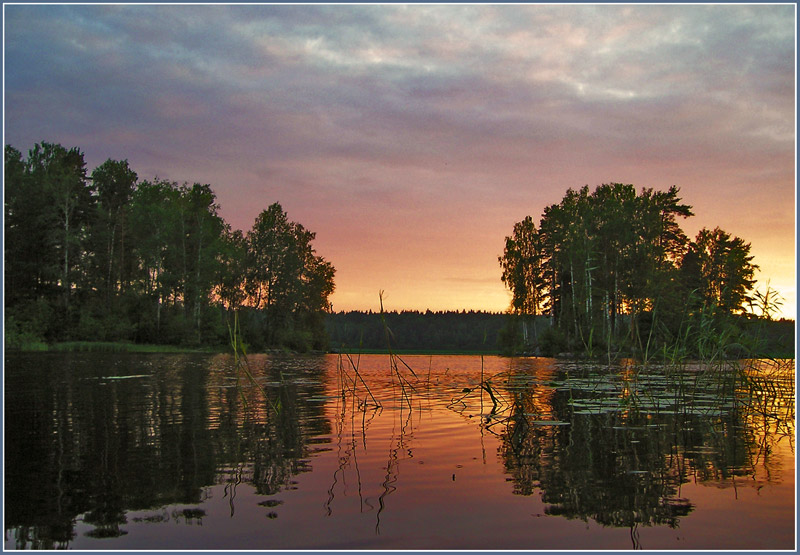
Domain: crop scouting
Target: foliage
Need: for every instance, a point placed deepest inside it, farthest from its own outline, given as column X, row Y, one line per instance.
column 48, row 206
column 719, row 270
column 107, row 257
column 614, row 270
column 452, row 331
column 286, row 279
column 523, row 271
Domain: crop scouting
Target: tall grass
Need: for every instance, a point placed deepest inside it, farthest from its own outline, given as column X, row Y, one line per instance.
column 103, row 347
column 349, row 384
column 406, row 387
column 242, row 366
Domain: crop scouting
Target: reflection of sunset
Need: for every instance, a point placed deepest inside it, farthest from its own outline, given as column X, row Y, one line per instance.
column 475, row 453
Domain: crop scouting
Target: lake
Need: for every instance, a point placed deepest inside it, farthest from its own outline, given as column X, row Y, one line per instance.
column 195, row 451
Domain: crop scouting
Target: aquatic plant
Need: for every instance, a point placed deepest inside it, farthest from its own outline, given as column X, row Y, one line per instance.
column 349, row 384
column 768, row 303
column 406, row 387
column 242, row 366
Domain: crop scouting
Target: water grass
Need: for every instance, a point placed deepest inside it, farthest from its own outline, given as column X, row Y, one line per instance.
column 242, row 366
column 406, row 387
column 349, row 384
column 106, row 347
column 700, row 380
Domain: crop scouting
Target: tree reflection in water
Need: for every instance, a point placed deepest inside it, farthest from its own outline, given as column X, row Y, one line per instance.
column 91, row 438
column 618, row 453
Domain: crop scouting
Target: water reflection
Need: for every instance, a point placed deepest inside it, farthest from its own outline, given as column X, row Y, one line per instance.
column 99, row 436
column 357, row 406
column 618, row 453
column 93, row 439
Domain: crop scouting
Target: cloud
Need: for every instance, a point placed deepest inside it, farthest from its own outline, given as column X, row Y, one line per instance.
column 368, row 117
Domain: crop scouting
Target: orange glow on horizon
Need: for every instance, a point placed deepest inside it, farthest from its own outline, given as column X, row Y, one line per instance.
column 427, row 287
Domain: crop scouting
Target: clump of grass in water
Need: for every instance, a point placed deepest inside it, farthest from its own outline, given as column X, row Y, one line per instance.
column 352, row 382
column 30, row 346
column 394, row 358
column 241, row 364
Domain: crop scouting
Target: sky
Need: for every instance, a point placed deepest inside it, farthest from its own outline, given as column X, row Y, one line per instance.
column 411, row 138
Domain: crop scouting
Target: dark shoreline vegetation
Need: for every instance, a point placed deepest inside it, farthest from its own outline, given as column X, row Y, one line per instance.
column 105, row 257
column 471, row 332
column 616, row 275
column 107, row 262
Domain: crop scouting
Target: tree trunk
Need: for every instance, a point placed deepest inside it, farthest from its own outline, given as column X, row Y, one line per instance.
column 110, row 258
column 614, row 303
column 123, row 277
column 574, row 305
column 65, row 277
column 197, row 283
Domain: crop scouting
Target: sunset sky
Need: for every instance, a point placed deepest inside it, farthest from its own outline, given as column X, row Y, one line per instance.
column 411, row 138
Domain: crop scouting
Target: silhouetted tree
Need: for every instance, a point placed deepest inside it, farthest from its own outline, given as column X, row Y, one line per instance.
column 612, row 252
column 285, row 278
column 115, row 183
column 230, row 288
column 523, row 272
column 719, row 268
column 60, row 174
column 109, row 258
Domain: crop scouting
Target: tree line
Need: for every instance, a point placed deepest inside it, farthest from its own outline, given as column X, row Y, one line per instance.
column 411, row 330
column 479, row 332
column 105, row 256
column 612, row 269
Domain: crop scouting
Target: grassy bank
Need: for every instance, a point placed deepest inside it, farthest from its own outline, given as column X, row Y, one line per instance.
column 106, row 347
column 415, row 352
column 122, row 347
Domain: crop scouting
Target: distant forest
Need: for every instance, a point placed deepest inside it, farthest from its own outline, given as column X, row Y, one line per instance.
column 477, row 332
column 450, row 331
column 103, row 256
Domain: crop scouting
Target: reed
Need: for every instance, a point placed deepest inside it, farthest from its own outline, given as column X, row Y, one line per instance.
column 406, row 388
column 354, row 380
column 242, row 366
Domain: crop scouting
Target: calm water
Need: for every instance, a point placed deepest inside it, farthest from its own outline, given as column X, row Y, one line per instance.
column 110, row 451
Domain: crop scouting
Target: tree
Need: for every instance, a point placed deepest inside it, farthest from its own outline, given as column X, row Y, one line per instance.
column 597, row 255
column 31, row 261
column 523, row 269
column 115, row 183
column 179, row 237
column 273, row 260
column 285, row 278
column 109, row 258
column 152, row 219
column 651, row 272
column 616, row 207
column 61, row 175
column 719, row 269
column 523, row 272
column 203, row 231
column 230, row 283
column 49, row 208
column 317, row 286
